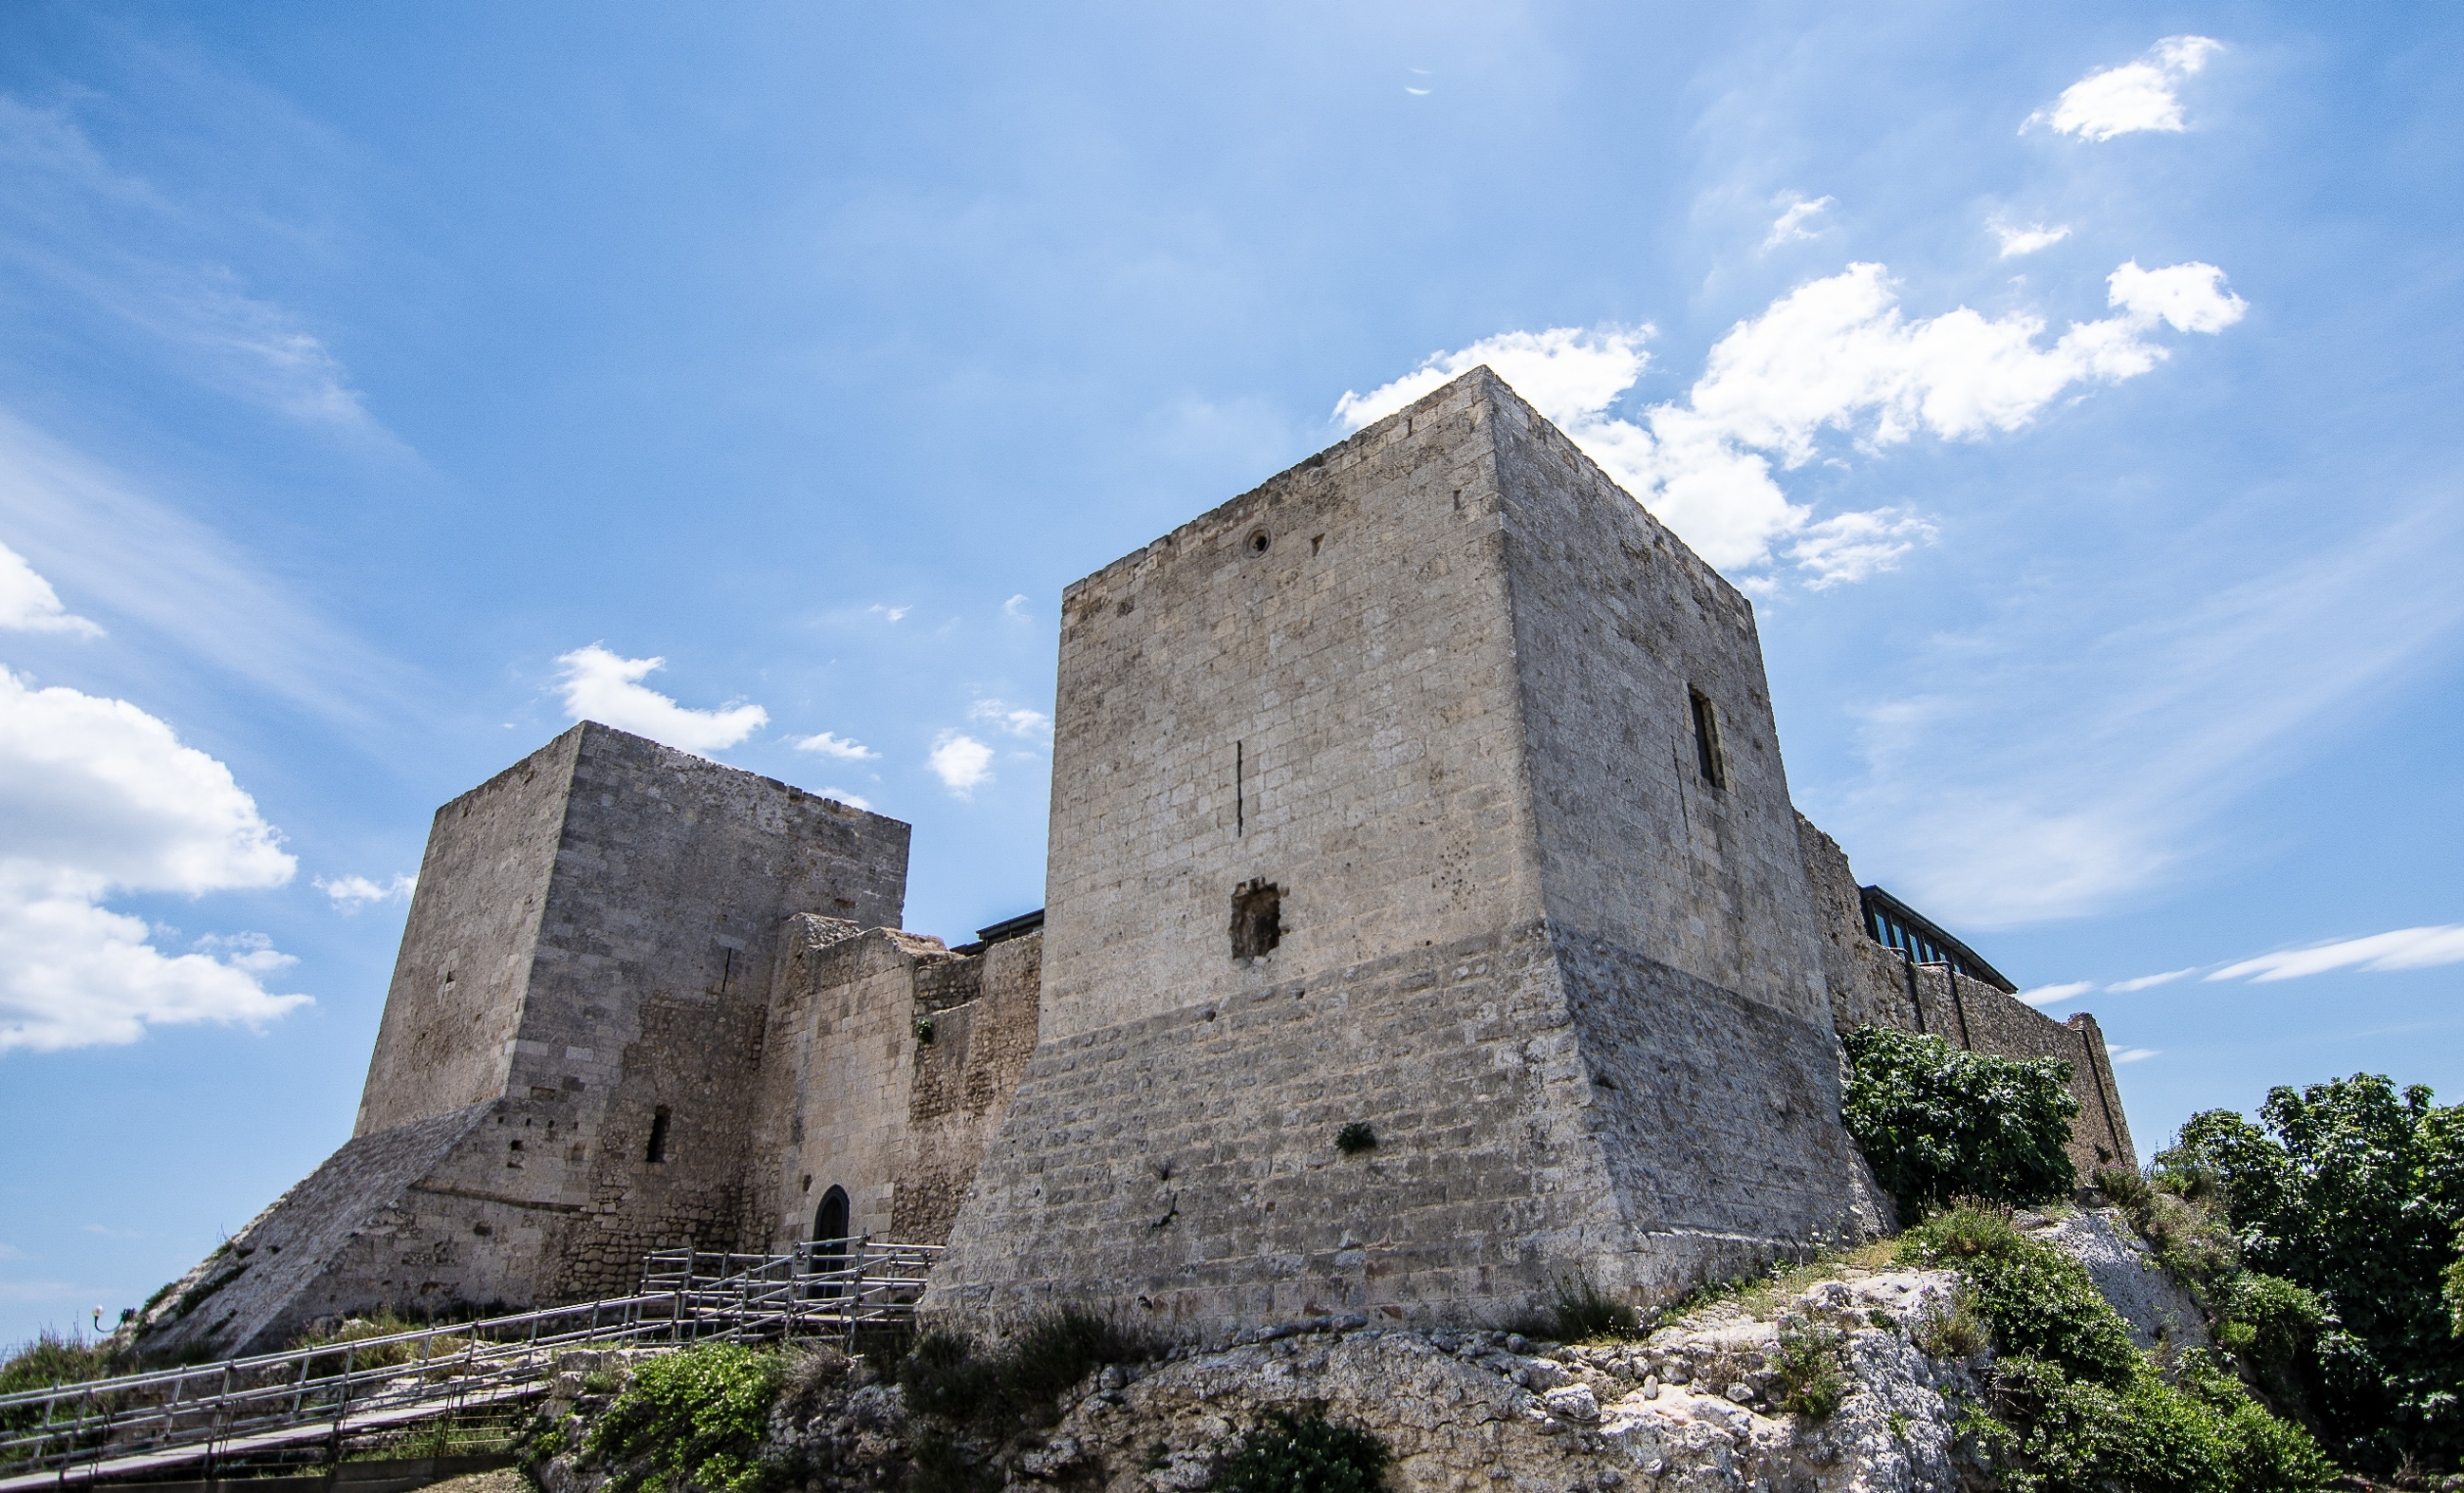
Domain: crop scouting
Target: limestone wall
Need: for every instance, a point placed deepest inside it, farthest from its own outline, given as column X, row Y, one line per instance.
column 962, row 1083
column 1873, row 986
column 1424, row 684
column 1617, row 627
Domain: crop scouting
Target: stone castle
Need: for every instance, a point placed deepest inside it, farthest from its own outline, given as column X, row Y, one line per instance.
column 1429, row 790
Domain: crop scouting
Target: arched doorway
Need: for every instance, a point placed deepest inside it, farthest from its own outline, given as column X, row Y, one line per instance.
column 829, row 1236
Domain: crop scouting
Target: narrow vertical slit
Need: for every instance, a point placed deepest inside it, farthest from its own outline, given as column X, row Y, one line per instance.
column 1241, row 810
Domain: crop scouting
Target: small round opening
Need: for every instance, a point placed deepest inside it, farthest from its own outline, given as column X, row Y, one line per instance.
column 1259, row 540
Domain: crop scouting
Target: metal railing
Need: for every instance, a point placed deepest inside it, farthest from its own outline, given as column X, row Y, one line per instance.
column 137, row 1425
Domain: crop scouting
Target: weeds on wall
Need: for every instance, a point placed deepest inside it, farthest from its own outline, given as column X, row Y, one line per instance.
column 1810, row 1367
column 1308, row 1454
column 1583, row 1313
column 971, row 1396
column 2074, row 1407
column 1936, row 1123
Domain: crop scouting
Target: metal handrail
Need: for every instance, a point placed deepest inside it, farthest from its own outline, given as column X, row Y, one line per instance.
column 165, row 1416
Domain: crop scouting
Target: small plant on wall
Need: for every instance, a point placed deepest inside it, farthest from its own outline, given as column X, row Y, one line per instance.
column 1355, row 1138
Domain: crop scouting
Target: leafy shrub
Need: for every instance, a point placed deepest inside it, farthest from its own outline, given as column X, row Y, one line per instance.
column 2037, row 1301
column 2080, row 1410
column 2355, row 1193
column 1811, row 1365
column 1309, row 1455
column 1953, row 1331
column 53, row 1358
column 1936, row 1123
column 693, row 1417
column 2275, row 1320
column 1355, row 1138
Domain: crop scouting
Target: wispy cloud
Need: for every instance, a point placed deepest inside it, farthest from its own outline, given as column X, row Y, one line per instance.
column 2403, row 948
column 89, row 229
column 350, row 894
column 1790, row 225
column 961, row 763
column 1834, row 355
column 1015, row 608
column 1014, row 720
column 2151, row 981
column 2026, row 240
column 2135, row 96
column 137, row 559
column 2054, row 995
column 831, row 744
column 2163, row 724
column 606, row 687
column 2137, row 1054
column 888, row 613
column 851, row 800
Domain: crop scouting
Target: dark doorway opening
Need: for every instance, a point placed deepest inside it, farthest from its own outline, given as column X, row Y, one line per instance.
column 829, row 1238
column 657, row 1135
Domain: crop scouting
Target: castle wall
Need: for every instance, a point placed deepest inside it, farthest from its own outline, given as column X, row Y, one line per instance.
column 961, row 1087
column 852, row 1096
column 1875, row 986
column 1335, row 715
column 1616, row 627
column 1549, row 1102
column 446, row 1038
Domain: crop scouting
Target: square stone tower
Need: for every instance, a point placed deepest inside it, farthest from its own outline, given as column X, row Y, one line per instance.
column 1431, row 788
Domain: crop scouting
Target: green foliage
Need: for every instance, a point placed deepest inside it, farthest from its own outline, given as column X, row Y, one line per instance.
column 1310, row 1455
column 2037, row 1301
column 1936, row 1123
column 946, row 1377
column 2355, row 1193
column 2275, row 1320
column 54, row 1359
column 1355, row 1138
column 2070, row 1436
column 692, row 1418
column 2078, row 1410
column 358, row 1330
column 1811, row 1366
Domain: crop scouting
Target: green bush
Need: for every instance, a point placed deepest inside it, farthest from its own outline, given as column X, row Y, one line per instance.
column 695, row 1417
column 2355, row 1192
column 1811, row 1365
column 1936, row 1123
column 1582, row 1312
column 53, row 1358
column 1308, row 1455
column 2036, row 1300
column 2078, row 1408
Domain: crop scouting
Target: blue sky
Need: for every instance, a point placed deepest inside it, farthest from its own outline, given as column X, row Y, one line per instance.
column 2073, row 390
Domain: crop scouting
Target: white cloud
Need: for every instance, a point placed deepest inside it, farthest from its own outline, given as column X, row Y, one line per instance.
column 2054, row 995
column 1016, row 719
column 831, row 744
column 1790, row 224
column 349, row 894
column 97, row 797
column 961, row 763
column 2132, row 97
column 1851, row 546
column 1015, row 608
column 846, row 798
column 2023, row 241
column 28, row 604
column 2136, row 1055
column 1833, row 355
column 2403, row 948
column 2150, row 981
column 601, row 686
column 893, row 614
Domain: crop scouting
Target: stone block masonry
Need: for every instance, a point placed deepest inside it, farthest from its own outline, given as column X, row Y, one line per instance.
column 1432, row 786
column 575, row 1026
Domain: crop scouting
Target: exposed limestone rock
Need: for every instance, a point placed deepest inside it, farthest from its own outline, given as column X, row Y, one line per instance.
column 2161, row 1313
